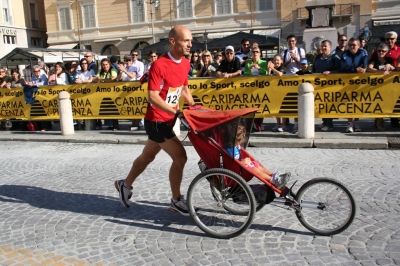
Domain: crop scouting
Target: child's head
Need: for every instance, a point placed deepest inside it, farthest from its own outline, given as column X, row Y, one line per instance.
column 303, row 64
column 277, row 60
column 240, row 135
column 235, row 134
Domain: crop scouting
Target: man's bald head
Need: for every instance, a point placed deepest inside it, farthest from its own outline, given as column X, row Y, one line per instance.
column 177, row 31
column 180, row 39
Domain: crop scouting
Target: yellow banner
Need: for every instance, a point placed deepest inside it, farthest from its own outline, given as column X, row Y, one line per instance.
column 336, row 96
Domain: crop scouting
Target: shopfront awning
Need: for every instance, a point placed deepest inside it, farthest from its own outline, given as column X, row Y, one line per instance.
column 63, row 46
column 30, row 56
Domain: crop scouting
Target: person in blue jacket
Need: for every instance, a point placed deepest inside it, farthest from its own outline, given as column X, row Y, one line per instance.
column 354, row 60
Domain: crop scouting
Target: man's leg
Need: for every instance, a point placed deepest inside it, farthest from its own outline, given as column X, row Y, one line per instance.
column 174, row 148
column 124, row 187
column 150, row 150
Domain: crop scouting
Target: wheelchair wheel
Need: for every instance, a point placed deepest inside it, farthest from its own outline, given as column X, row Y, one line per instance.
column 326, row 206
column 210, row 208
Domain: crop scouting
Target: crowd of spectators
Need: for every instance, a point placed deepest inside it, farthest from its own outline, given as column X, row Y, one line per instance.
column 349, row 56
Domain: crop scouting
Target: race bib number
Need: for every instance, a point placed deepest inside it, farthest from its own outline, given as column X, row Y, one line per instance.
column 173, row 96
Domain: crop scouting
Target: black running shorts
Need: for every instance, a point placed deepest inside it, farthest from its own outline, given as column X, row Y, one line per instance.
column 158, row 131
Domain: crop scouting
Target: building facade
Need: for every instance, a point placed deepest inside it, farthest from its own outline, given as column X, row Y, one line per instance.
column 115, row 27
column 349, row 17
column 385, row 17
column 22, row 24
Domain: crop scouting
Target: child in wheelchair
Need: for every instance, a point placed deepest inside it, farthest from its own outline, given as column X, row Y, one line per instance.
column 277, row 179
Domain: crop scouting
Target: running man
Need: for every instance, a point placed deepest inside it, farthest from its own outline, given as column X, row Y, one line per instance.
column 168, row 80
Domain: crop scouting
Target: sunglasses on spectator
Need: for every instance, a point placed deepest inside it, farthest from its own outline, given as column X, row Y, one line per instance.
column 84, row 63
column 34, row 71
column 391, row 39
column 246, row 44
column 292, row 40
column 382, row 51
column 134, row 54
column 127, row 60
column 205, row 55
column 255, row 52
column 195, row 55
column 88, row 56
column 343, row 40
column 352, row 44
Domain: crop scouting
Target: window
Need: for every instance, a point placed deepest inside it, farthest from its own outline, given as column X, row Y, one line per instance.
column 137, row 10
column 9, row 39
column 36, row 42
column 65, row 18
column 89, row 16
column 7, row 19
column 34, row 20
column 265, row 5
column 185, row 8
column 223, row 7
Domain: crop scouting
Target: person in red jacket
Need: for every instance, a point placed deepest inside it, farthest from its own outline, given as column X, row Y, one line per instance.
column 164, row 91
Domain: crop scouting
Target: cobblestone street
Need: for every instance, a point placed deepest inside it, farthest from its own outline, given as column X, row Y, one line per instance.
column 58, row 206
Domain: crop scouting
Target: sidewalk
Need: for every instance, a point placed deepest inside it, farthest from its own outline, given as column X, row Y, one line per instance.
column 369, row 138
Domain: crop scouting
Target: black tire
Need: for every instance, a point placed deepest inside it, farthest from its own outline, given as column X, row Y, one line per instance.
column 210, row 208
column 326, row 206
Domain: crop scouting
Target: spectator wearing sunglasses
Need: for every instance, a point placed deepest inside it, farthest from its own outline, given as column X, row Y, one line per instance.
column 218, row 58
column 92, row 64
column 85, row 75
column 380, row 63
column 354, row 60
column 393, row 50
column 38, row 78
column 194, row 64
column 152, row 58
column 342, row 45
column 136, row 63
column 229, row 67
column 394, row 53
column 207, row 66
column 256, row 66
column 244, row 54
column 127, row 72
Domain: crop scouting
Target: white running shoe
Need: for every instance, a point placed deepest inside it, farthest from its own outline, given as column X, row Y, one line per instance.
column 125, row 193
column 349, row 128
column 180, row 206
column 279, row 180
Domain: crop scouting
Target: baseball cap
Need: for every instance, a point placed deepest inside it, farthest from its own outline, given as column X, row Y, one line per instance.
column 304, row 61
column 230, row 47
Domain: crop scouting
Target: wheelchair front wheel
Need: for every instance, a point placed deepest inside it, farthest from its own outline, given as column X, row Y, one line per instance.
column 326, row 206
column 210, row 207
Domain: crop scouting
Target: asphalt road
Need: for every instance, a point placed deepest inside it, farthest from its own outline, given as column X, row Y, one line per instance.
column 58, row 206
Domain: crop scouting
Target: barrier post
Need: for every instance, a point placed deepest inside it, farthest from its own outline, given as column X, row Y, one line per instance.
column 306, row 111
column 177, row 127
column 65, row 111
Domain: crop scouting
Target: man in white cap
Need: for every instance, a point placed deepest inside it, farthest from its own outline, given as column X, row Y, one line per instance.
column 229, row 67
